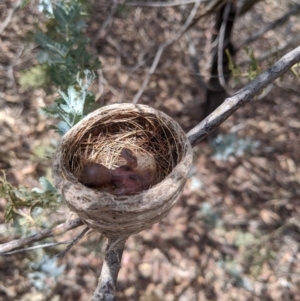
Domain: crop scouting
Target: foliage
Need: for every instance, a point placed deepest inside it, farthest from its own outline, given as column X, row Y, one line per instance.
column 296, row 70
column 64, row 45
column 64, row 52
column 253, row 68
column 66, row 64
column 22, row 197
column 72, row 106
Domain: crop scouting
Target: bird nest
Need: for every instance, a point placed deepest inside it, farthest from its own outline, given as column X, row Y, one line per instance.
column 159, row 148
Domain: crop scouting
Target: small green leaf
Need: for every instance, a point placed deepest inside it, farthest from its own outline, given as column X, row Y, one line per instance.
column 46, row 184
column 60, row 15
column 62, row 127
column 50, row 111
column 24, row 3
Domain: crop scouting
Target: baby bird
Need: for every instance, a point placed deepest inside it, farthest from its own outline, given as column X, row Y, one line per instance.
column 127, row 179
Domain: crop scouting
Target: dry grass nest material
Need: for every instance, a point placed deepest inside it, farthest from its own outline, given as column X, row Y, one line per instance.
column 141, row 132
column 99, row 138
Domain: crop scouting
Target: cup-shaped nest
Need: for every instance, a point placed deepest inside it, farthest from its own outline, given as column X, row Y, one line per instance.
column 155, row 141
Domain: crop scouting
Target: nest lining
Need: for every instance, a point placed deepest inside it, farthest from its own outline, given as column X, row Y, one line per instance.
column 140, row 132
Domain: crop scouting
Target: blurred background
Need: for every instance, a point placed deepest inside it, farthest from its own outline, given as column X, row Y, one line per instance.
column 235, row 232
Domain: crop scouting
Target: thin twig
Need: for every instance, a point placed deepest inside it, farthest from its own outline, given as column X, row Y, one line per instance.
column 9, row 16
column 160, row 4
column 47, row 245
column 102, row 32
column 139, row 64
column 221, row 38
column 273, row 51
column 161, row 49
column 73, row 242
column 100, row 84
column 57, row 230
column 243, row 96
column 211, row 7
column 244, row 6
column 295, row 9
column 195, row 62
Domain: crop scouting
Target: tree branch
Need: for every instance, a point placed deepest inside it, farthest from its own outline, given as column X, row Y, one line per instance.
column 9, row 16
column 222, row 44
column 106, row 287
column 46, row 245
column 160, row 4
column 73, row 242
column 231, row 104
column 107, row 23
column 293, row 11
column 293, row 40
column 161, row 50
column 58, row 230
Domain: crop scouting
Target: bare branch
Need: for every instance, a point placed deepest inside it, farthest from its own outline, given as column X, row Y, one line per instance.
column 58, row 230
column 160, row 4
column 221, row 38
column 161, row 49
column 140, row 63
column 295, row 9
column 106, row 287
column 107, row 23
column 195, row 62
column 46, row 245
column 211, row 7
column 9, row 16
column 231, row 104
column 245, row 5
column 275, row 50
column 73, row 242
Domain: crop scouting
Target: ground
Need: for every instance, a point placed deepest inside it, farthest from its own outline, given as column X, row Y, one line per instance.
column 234, row 233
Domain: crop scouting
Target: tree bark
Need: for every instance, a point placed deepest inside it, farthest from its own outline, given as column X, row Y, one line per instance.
column 216, row 92
column 106, row 288
column 246, row 6
column 243, row 96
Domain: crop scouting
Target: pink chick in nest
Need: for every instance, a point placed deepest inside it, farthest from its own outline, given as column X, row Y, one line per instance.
column 138, row 174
